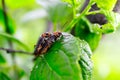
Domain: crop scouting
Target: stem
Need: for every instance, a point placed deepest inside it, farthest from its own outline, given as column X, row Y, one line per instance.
column 15, row 51
column 74, row 8
column 93, row 12
column 76, row 19
column 5, row 16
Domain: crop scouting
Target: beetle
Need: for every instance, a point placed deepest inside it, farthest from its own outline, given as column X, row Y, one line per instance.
column 45, row 41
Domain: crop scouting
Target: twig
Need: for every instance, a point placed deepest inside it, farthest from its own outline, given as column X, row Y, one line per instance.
column 15, row 51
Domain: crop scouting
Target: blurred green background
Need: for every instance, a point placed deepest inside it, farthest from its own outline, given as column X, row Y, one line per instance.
column 30, row 22
column 106, row 58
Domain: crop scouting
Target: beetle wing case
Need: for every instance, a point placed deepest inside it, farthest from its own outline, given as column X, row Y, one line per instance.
column 45, row 42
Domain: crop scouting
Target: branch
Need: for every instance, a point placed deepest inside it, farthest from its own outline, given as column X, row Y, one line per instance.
column 15, row 51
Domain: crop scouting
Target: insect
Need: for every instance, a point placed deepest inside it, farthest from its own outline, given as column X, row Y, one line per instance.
column 45, row 42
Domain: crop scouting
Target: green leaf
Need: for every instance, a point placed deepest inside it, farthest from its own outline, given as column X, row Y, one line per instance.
column 85, row 61
column 60, row 62
column 2, row 60
column 106, row 4
column 3, row 76
column 61, row 9
column 86, row 31
column 56, row 9
column 11, row 25
column 108, row 28
column 113, row 21
column 93, row 39
column 7, row 36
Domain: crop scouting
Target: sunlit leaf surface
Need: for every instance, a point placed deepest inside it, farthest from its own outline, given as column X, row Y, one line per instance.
column 61, row 62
